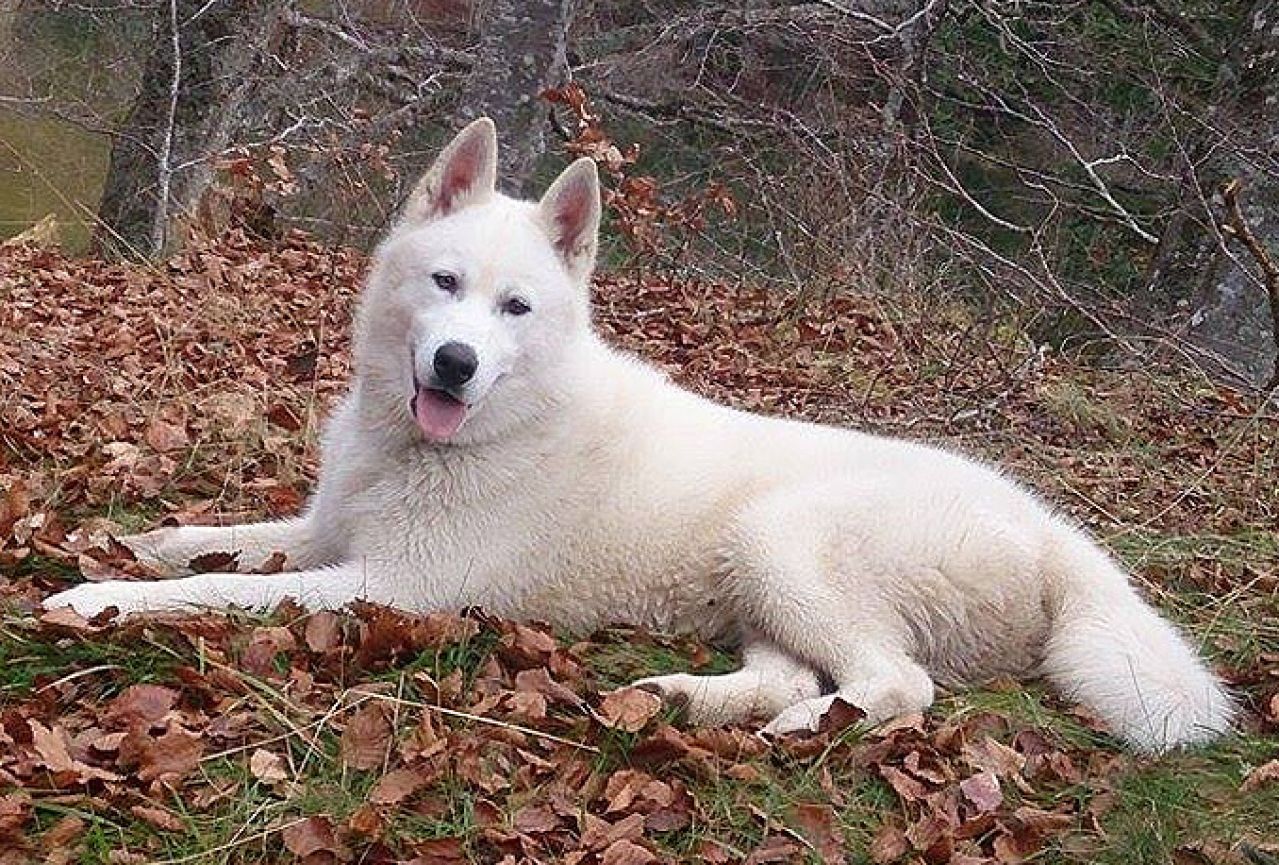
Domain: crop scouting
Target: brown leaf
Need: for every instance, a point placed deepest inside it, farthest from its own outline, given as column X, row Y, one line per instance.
column 264, row 645
column 597, row 833
column 67, row 619
column 166, row 437
column 983, row 791
column 215, row 563
column 397, row 785
column 908, row 788
column 774, row 848
column 161, row 818
column 268, row 766
column 818, row 826
column 366, row 740
column 1267, row 773
column 629, row 709
column 312, row 835
column 323, row 632
column 170, row 757
column 625, row 852
column 140, row 706
column 367, row 821
column 535, row 818
column 890, row 844
column 839, row 717
column 63, row 833
column 15, row 811
column 53, row 748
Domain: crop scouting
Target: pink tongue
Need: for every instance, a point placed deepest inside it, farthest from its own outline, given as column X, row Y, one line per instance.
column 438, row 414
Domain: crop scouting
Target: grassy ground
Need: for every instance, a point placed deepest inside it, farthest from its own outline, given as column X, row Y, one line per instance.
column 370, row 737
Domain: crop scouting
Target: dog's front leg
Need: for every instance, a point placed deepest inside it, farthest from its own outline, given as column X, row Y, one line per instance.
column 303, row 543
column 319, row 589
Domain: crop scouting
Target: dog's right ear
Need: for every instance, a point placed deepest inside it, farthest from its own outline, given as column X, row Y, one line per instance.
column 464, row 174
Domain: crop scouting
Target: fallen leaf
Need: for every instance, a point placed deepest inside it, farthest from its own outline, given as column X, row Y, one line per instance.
column 140, row 706
column 161, row 818
column 625, row 852
column 533, row 819
column 53, row 748
column 890, row 844
column 820, row 829
column 170, row 757
column 1265, row 774
column 268, row 766
column 323, row 632
column 397, row 785
column 313, row 835
column 983, row 791
column 628, row 709
column 366, row 741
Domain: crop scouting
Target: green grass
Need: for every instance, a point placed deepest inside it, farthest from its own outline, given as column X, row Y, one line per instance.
column 1146, row 809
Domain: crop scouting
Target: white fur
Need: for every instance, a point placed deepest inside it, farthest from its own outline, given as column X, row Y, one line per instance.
column 583, row 489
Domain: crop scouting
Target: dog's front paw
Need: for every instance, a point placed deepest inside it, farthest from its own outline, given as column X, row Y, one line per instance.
column 675, row 691
column 805, row 716
column 89, row 599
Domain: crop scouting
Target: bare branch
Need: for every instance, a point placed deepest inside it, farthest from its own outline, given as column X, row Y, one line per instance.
column 1239, row 228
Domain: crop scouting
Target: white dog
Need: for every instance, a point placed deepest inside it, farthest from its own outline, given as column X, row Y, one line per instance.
column 493, row 451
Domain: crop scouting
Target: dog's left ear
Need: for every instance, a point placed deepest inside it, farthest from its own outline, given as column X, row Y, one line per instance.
column 570, row 213
column 464, row 174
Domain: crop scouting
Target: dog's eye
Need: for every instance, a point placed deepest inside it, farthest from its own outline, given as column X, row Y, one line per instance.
column 516, row 306
column 445, row 281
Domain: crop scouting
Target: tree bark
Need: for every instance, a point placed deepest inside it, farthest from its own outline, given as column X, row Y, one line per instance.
column 1200, row 278
column 522, row 51
column 201, row 70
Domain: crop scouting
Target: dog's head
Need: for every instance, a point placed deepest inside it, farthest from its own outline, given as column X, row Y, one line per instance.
column 476, row 301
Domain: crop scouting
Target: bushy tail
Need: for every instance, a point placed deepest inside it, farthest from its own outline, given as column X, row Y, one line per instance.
column 1110, row 651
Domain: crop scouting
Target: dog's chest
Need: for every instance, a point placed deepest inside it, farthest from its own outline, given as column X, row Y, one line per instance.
column 554, row 546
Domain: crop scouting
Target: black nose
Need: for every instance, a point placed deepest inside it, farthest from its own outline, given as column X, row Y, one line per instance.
column 455, row 363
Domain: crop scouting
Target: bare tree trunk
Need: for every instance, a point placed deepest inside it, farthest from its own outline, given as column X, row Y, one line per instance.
column 522, row 51
column 201, row 71
column 1199, row 275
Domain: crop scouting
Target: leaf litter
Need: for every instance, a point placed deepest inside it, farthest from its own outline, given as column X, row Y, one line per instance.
column 191, row 392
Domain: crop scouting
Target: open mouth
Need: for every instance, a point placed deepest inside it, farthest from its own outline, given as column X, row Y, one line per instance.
column 438, row 413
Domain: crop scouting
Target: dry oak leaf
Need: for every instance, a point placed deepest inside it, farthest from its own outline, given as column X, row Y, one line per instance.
column 323, row 632
column 166, row 437
column 267, row 766
column 597, row 833
column 140, row 706
column 52, row 746
column 15, row 810
column 397, row 785
column 66, row 619
column 313, row 835
column 1267, row 773
column 817, row 824
column 890, row 844
column 628, row 709
column 983, row 791
column 367, row 737
column 170, row 757
column 535, row 818
column 161, row 818
column 625, row 852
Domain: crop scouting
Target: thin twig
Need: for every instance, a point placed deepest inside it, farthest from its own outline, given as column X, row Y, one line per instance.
column 1239, row 228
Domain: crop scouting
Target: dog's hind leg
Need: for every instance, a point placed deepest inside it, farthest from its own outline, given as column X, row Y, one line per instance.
column 815, row 594
column 769, row 681
column 170, row 551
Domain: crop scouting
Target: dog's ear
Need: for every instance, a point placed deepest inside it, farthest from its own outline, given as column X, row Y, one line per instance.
column 464, row 174
column 570, row 212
